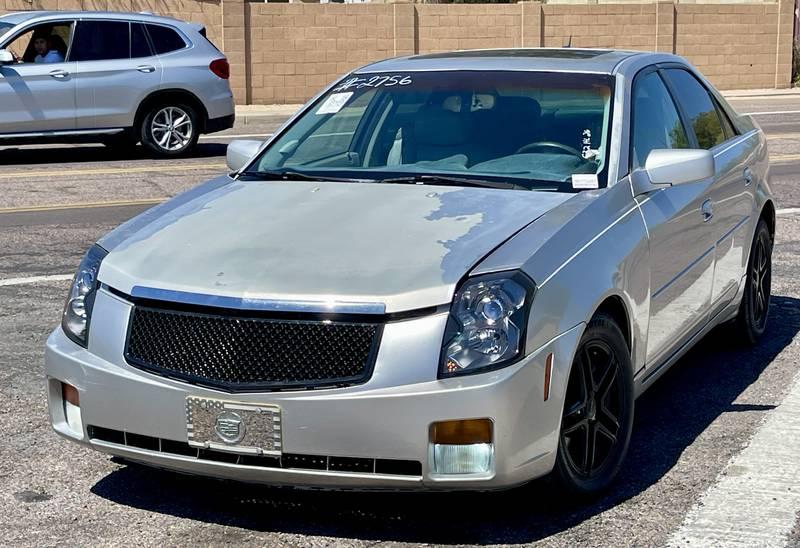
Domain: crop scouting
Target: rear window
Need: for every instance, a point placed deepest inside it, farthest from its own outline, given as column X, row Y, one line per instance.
column 100, row 41
column 140, row 47
column 165, row 39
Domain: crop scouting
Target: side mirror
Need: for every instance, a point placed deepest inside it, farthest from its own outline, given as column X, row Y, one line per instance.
column 6, row 58
column 672, row 166
column 240, row 152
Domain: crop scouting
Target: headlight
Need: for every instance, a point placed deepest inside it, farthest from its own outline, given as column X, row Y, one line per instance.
column 78, row 308
column 486, row 328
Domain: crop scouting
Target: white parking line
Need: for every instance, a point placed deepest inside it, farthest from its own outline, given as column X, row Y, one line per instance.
column 35, row 279
column 756, row 499
column 788, row 211
column 771, row 112
column 213, row 137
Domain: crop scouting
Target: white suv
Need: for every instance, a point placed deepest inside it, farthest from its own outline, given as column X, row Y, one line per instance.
column 117, row 78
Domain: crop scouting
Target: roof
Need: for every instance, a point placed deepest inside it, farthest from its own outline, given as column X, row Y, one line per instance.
column 23, row 16
column 601, row 61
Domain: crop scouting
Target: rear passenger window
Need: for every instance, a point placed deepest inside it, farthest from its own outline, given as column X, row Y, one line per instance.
column 101, row 40
column 697, row 104
column 165, row 39
column 726, row 123
column 139, row 45
column 656, row 123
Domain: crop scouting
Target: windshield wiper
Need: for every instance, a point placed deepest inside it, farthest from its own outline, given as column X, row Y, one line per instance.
column 447, row 180
column 292, row 175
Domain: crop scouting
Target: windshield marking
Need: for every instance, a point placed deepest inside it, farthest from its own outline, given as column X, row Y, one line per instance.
column 374, row 82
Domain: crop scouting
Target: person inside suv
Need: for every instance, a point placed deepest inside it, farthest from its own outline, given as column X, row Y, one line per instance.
column 46, row 52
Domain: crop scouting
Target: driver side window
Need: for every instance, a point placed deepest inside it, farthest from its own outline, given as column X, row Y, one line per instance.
column 44, row 43
column 656, row 123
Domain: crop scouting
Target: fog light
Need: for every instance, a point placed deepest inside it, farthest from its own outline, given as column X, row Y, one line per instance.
column 462, row 459
column 72, row 409
column 462, row 446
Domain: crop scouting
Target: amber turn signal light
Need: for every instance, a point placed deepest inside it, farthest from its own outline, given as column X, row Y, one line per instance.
column 461, row 432
column 70, row 394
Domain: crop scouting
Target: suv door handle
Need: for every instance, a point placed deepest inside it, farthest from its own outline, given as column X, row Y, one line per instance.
column 146, row 68
column 708, row 211
column 748, row 176
column 59, row 74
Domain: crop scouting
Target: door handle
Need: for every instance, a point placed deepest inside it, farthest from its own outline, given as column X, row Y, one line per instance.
column 748, row 176
column 146, row 68
column 707, row 210
column 59, row 74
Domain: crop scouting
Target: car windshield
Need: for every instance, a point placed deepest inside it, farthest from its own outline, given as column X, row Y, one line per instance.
column 532, row 129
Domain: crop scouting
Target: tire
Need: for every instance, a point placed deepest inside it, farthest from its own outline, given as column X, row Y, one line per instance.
column 597, row 420
column 169, row 130
column 751, row 320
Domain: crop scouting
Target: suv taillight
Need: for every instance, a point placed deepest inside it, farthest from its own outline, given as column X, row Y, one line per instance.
column 221, row 68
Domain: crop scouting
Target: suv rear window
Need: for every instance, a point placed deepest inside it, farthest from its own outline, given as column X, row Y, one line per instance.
column 140, row 47
column 165, row 39
column 100, row 40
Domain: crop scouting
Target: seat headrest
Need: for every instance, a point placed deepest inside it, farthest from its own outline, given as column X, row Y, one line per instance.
column 439, row 127
column 526, row 108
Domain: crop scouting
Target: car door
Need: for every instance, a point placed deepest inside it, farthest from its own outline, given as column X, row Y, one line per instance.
column 681, row 244
column 36, row 97
column 116, row 69
column 730, row 202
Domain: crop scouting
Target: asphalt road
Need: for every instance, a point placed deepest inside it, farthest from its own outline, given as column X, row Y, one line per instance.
column 688, row 427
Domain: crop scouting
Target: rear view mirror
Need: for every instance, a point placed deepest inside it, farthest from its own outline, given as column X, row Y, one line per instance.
column 6, row 58
column 675, row 166
column 240, row 152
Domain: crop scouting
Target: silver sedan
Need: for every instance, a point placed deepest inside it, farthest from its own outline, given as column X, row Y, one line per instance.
column 450, row 271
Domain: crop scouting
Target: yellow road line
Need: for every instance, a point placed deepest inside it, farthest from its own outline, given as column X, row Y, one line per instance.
column 84, row 205
column 109, row 171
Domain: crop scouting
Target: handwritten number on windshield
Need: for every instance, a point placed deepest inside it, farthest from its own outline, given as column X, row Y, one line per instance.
column 373, row 82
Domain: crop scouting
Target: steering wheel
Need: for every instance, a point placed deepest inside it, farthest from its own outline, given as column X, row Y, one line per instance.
column 562, row 148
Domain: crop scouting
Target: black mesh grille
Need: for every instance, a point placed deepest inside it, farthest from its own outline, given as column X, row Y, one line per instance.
column 245, row 353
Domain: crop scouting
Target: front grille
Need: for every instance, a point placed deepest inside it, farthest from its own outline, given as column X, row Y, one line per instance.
column 227, row 350
column 393, row 467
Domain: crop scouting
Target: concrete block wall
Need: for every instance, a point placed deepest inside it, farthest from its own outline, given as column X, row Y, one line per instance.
column 295, row 48
column 285, row 53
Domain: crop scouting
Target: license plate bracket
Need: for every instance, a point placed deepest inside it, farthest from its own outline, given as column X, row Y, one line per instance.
column 234, row 427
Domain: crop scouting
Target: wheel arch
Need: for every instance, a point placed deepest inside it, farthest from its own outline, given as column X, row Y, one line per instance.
column 164, row 96
column 768, row 214
column 615, row 308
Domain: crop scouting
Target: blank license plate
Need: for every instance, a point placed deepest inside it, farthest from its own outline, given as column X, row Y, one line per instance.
column 237, row 427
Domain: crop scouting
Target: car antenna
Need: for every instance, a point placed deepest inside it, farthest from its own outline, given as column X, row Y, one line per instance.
column 569, row 42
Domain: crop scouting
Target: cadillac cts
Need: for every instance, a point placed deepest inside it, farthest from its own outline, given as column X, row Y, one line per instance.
column 451, row 271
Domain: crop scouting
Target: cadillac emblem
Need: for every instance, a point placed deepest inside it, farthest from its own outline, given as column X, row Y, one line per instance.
column 229, row 427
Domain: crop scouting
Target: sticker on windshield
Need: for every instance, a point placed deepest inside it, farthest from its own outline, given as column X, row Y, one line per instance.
column 374, row 82
column 585, row 181
column 334, row 103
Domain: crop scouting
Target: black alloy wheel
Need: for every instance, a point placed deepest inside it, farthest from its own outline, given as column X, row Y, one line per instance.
column 598, row 410
column 751, row 321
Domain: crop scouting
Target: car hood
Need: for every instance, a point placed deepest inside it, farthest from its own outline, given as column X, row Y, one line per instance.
column 392, row 247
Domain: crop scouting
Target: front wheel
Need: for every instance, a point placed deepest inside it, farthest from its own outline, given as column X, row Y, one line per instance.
column 169, row 130
column 597, row 419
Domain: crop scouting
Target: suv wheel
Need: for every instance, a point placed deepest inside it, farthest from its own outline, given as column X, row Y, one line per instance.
column 597, row 419
column 169, row 130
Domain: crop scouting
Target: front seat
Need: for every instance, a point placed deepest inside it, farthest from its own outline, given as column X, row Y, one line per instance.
column 438, row 134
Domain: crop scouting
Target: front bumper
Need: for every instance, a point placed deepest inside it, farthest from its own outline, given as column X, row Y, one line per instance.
column 386, row 418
